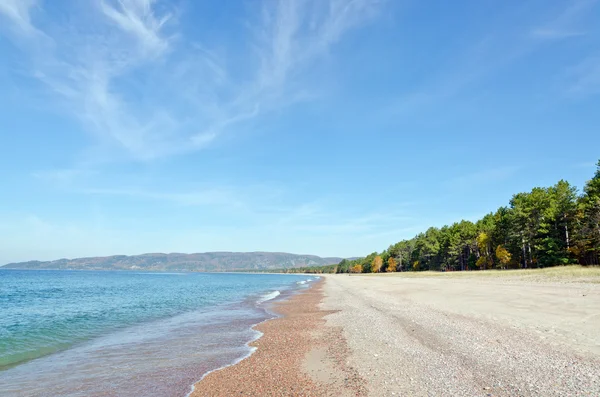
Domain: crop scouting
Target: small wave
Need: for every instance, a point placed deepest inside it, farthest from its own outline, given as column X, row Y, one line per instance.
column 268, row 297
column 301, row 282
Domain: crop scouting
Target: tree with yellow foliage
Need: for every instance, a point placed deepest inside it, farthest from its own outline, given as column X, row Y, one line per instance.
column 356, row 269
column 503, row 256
column 416, row 265
column 483, row 243
column 376, row 264
column 391, row 267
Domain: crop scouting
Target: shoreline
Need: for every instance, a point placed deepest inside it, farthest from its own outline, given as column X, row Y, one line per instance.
column 164, row 356
column 252, row 349
column 295, row 355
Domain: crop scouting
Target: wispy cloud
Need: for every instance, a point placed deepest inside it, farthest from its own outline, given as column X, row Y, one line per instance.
column 295, row 33
column 564, row 24
column 584, row 78
column 554, row 34
column 59, row 239
column 18, row 12
column 126, row 71
column 137, row 18
column 82, row 237
column 262, row 207
column 586, row 164
column 62, row 176
column 320, row 218
column 221, row 197
column 504, row 41
column 482, row 177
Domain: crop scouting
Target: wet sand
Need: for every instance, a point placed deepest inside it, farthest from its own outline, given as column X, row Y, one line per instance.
column 298, row 355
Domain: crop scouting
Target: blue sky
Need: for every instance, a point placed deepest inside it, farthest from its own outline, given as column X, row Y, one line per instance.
column 320, row 126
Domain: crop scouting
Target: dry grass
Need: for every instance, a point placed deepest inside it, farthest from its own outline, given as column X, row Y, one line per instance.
column 575, row 274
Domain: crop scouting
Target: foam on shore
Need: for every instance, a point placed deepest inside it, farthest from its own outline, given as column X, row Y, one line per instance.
column 268, row 297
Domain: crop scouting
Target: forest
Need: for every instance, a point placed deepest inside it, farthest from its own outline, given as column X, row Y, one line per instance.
column 549, row 226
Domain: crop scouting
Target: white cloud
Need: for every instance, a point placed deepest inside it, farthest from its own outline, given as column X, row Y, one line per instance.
column 127, row 73
column 291, row 37
column 137, row 17
column 295, row 33
column 19, row 13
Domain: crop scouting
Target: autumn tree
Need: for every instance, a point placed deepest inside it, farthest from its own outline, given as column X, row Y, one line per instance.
column 483, row 244
column 391, row 264
column 376, row 264
column 503, row 256
column 416, row 265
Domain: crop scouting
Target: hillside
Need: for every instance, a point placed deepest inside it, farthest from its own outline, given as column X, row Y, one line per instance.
column 200, row 262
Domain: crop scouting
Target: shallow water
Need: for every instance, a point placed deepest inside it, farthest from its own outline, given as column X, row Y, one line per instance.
column 126, row 334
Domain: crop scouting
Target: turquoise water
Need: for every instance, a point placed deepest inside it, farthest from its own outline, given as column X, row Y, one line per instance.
column 180, row 324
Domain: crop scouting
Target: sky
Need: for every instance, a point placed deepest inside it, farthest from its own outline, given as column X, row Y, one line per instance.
column 327, row 127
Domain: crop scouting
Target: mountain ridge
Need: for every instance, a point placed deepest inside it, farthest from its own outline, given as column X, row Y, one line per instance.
column 220, row 261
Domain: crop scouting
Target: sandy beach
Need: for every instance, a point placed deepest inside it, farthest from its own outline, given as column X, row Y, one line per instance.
column 388, row 335
column 469, row 337
column 296, row 356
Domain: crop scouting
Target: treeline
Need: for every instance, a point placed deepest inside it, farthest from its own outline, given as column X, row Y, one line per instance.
column 313, row 269
column 293, row 270
column 545, row 227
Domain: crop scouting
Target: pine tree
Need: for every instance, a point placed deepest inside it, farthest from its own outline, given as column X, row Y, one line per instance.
column 589, row 221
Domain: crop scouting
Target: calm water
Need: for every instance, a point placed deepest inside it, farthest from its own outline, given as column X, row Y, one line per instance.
column 79, row 333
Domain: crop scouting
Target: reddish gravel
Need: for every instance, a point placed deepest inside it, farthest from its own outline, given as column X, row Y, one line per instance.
column 280, row 365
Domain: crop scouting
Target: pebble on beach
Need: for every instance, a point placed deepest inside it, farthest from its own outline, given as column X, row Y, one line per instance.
column 278, row 366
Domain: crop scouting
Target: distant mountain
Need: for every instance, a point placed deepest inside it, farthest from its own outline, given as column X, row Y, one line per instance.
column 203, row 262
